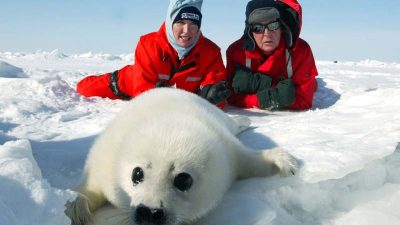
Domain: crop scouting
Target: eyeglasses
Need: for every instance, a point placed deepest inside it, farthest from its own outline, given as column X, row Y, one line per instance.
column 260, row 28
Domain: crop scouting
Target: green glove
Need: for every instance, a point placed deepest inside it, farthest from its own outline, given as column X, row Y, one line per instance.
column 244, row 81
column 161, row 84
column 215, row 93
column 282, row 95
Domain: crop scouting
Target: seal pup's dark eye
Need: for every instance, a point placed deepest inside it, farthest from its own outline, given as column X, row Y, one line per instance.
column 137, row 175
column 183, row 181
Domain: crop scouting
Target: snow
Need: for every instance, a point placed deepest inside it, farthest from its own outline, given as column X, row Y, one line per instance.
column 346, row 145
column 10, row 70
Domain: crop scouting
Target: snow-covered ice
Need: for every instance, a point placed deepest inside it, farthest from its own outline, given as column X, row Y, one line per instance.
column 346, row 145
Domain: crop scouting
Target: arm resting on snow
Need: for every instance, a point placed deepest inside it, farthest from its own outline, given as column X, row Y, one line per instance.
column 110, row 85
column 96, row 86
column 304, row 80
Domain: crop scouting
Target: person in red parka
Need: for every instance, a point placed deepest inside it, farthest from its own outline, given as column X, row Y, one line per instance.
column 270, row 67
column 177, row 55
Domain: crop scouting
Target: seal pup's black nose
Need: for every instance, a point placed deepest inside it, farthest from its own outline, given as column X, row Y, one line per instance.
column 146, row 215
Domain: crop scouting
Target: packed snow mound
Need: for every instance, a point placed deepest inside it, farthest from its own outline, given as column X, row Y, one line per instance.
column 365, row 197
column 23, row 191
column 10, row 71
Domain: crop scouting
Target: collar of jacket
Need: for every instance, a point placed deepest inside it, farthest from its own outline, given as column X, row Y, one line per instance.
column 258, row 54
column 274, row 64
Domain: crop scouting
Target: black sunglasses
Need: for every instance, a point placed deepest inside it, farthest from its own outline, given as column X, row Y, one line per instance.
column 260, row 28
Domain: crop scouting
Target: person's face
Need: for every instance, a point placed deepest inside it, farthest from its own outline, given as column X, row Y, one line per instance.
column 185, row 32
column 267, row 35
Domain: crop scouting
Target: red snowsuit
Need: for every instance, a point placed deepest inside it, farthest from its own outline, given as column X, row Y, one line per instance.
column 303, row 65
column 155, row 61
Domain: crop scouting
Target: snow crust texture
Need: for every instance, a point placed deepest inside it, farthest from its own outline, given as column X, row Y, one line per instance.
column 347, row 145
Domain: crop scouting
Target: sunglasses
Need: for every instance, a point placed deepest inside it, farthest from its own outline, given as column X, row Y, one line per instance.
column 260, row 28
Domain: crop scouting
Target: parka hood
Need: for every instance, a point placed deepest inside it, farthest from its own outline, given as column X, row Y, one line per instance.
column 291, row 17
column 173, row 9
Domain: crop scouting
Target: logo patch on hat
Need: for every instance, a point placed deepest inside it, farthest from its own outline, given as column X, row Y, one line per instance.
column 190, row 16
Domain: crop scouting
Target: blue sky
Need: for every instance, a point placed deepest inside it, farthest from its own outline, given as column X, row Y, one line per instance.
column 336, row 30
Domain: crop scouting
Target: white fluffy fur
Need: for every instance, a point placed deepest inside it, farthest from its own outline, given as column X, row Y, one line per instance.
column 168, row 131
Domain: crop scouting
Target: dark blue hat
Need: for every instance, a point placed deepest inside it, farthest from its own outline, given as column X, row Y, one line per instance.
column 189, row 13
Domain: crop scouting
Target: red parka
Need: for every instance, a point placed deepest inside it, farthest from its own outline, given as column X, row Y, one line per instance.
column 275, row 66
column 157, row 61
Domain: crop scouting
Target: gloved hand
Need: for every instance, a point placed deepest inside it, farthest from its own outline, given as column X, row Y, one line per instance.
column 162, row 84
column 215, row 93
column 244, row 81
column 280, row 96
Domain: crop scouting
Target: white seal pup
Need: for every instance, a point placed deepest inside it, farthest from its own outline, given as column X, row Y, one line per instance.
column 168, row 159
